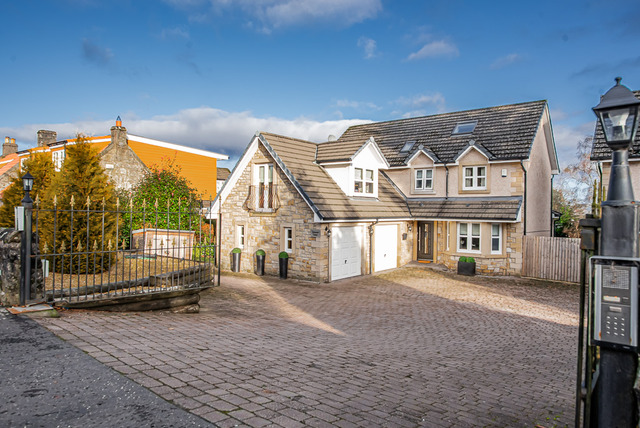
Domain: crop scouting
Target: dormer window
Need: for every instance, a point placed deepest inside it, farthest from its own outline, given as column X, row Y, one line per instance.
column 465, row 127
column 363, row 181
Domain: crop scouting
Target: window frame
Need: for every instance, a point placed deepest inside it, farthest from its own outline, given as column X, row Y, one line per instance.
column 288, row 239
column 470, row 237
column 498, row 238
column 57, row 158
column 364, row 181
column 462, row 125
column 475, row 176
column 423, row 179
column 241, row 236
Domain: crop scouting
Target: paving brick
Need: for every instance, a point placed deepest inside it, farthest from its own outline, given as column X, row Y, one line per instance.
column 409, row 347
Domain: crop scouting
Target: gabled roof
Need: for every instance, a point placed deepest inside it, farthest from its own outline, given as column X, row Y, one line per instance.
column 600, row 150
column 296, row 158
column 507, row 132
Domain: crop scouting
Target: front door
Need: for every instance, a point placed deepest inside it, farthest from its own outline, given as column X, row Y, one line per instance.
column 425, row 240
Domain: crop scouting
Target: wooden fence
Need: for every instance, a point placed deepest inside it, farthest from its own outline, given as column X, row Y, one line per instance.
column 557, row 259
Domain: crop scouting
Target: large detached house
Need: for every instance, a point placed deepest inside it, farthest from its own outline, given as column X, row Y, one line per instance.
column 601, row 153
column 430, row 189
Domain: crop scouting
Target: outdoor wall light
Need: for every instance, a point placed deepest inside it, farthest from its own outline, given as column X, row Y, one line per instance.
column 326, row 229
column 409, row 228
column 617, row 112
column 27, row 182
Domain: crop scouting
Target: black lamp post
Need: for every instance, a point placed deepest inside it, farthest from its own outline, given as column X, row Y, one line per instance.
column 618, row 112
column 25, row 274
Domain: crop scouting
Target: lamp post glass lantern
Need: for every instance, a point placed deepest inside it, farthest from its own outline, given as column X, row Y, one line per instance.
column 617, row 112
column 27, row 182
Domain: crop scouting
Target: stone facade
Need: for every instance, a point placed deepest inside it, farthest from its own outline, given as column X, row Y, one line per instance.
column 264, row 230
column 123, row 167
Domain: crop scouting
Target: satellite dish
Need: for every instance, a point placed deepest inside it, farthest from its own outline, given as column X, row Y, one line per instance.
column 332, row 137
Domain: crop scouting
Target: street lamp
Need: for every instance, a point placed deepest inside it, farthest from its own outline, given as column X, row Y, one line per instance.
column 615, row 398
column 25, row 274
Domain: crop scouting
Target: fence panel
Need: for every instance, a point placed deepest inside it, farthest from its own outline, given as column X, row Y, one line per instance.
column 557, row 259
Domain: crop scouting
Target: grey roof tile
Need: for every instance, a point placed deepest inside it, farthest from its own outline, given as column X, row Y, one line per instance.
column 506, row 132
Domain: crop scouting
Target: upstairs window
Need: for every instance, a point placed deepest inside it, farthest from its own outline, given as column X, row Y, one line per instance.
column 475, row 178
column 424, row 179
column 465, row 127
column 363, row 181
column 57, row 158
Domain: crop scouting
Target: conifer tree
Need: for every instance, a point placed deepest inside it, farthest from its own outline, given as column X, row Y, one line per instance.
column 40, row 166
column 82, row 216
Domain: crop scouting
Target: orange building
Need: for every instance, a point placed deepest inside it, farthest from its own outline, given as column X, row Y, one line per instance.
column 126, row 157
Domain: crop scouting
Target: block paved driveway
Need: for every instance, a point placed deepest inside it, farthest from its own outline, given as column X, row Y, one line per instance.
column 412, row 347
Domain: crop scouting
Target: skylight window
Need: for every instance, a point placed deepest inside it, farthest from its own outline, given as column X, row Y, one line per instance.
column 465, row 127
column 407, row 146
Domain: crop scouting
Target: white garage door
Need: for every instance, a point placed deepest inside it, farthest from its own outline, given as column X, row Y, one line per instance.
column 346, row 252
column 386, row 247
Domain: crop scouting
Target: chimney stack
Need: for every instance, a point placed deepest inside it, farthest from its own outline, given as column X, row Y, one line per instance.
column 46, row 137
column 9, row 146
column 119, row 134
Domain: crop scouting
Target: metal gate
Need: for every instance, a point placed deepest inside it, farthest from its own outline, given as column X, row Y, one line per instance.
column 86, row 252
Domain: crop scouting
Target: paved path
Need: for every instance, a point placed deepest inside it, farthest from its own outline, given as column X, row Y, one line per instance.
column 408, row 348
column 46, row 382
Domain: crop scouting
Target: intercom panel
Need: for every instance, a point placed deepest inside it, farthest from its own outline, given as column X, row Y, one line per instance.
column 616, row 304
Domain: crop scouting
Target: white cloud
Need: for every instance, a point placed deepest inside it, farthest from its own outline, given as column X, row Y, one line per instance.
column 437, row 48
column 435, row 100
column 284, row 13
column 369, row 46
column 358, row 105
column 204, row 127
column 506, row 61
column 174, row 33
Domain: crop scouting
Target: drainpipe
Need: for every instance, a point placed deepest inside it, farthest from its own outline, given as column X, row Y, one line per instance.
column 524, row 205
column 447, row 180
column 371, row 245
column 600, row 186
column 553, row 229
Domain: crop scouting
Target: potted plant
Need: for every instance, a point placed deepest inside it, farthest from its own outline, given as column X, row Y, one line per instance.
column 467, row 266
column 283, row 258
column 260, row 254
column 235, row 259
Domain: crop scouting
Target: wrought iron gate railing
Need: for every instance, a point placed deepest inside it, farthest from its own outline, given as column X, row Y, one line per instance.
column 91, row 252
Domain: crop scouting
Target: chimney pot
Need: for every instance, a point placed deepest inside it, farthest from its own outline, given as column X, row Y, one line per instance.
column 9, row 147
column 118, row 121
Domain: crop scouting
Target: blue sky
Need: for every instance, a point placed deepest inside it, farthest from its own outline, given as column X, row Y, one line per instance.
column 209, row 73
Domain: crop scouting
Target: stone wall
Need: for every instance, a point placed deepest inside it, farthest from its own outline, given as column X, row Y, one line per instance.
column 10, row 266
column 264, row 230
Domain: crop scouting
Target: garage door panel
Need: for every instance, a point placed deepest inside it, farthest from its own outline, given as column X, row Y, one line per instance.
column 346, row 252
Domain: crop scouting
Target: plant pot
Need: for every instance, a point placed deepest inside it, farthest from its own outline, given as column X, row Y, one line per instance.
column 466, row 268
column 235, row 262
column 284, row 267
column 259, row 265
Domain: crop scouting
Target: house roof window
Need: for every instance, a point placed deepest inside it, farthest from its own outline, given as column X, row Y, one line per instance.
column 465, row 127
column 407, row 147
